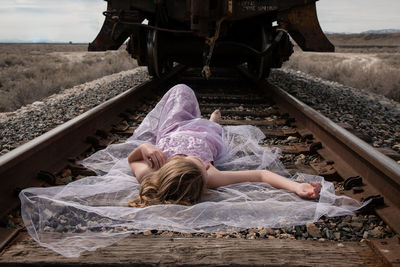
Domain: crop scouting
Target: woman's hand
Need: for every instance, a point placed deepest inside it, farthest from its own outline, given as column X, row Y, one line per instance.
column 309, row 191
column 153, row 156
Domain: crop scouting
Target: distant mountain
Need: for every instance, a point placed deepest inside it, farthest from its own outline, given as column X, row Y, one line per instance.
column 40, row 41
column 36, row 41
column 12, row 41
column 366, row 32
column 327, row 32
column 383, row 31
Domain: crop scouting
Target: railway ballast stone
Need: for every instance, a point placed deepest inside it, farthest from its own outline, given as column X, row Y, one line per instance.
column 372, row 117
column 380, row 121
column 31, row 121
column 313, row 230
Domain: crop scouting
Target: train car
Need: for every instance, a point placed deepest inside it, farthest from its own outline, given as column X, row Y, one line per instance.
column 206, row 33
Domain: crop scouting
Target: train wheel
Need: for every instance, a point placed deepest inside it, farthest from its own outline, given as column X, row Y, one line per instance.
column 152, row 54
column 260, row 66
column 156, row 63
column 137, row 46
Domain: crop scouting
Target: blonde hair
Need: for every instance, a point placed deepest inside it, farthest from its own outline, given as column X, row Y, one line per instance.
column 179, row 181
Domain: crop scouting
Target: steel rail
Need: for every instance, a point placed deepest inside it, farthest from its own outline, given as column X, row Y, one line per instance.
column 287, row 102
column 50, row 151
column 350, row 154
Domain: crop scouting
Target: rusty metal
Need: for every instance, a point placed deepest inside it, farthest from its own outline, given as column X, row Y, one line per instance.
column 302, row 24
column 193, row 33
column 7, row 235
column 325, row 169
column 209, row 49
column 112, row 34
column 353, row 181
column 50, row 152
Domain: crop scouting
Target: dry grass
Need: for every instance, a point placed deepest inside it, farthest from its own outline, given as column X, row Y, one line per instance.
column 376, row 73
column 30, row 72
column 362, row 61
column 365, row 39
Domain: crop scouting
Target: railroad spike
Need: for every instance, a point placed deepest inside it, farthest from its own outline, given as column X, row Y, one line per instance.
column 354, row 181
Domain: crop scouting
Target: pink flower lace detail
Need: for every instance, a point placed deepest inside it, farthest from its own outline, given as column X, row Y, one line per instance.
column 178, row 143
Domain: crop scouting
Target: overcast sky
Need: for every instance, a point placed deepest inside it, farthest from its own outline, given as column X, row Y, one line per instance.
column 81, row 20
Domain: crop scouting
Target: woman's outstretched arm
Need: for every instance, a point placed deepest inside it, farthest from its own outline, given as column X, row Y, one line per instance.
column 220, row 178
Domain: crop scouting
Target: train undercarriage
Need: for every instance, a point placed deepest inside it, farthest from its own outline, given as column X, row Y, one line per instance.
column 207, row 33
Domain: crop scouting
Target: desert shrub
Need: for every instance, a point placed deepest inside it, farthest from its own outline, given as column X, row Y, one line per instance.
column 379, row 75
column 10, row 61
column 4, row 100
column 31, row 72
column 392, row 59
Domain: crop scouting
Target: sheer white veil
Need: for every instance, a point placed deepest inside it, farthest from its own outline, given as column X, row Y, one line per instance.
column 92, row 212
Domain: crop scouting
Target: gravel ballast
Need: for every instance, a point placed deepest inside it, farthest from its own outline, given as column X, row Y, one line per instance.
column 373, row 118
column 33, row 120
column 370, row 115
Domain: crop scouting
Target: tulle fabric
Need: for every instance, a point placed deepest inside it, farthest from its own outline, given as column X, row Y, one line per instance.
column 92, row 212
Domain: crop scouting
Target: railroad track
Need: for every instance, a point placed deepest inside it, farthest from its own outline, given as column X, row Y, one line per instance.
column 310, row 143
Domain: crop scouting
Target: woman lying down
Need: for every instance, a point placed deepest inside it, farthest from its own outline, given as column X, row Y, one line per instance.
column 192, row 175
column 183, row 176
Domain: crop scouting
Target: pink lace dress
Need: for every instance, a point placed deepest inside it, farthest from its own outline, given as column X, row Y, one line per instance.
column 175, row 126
